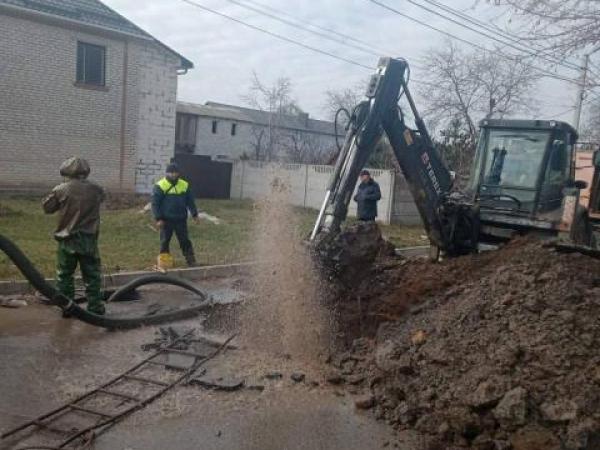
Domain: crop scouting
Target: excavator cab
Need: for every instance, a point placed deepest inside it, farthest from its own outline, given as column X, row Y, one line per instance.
column 523, row 178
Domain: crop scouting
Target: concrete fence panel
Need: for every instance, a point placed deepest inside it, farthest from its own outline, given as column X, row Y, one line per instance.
column 307, row 184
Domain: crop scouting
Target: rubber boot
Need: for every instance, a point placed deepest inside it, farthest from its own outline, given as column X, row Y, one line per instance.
column 190, row 259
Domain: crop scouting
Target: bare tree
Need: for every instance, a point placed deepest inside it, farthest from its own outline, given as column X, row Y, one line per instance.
column 590, row 129
column 281, row 138
column 474, row 85
column 276, row 100
column 559, row 26
column 346, row 98
column 305, row 148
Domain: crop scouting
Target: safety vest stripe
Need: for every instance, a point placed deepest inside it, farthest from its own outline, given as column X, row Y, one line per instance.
column 180, row 187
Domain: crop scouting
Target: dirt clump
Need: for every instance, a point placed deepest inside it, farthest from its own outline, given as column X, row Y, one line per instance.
column 490, row 351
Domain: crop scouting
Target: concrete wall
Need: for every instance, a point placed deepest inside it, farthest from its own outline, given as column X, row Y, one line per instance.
column 307, row 184
column 244, row 142
column 125, row 129
column 404, row 210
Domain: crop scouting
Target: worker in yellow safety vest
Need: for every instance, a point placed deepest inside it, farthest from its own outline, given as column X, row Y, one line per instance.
column 172, row 198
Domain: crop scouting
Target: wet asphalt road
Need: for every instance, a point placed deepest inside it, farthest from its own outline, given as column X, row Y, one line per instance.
column 45, row 359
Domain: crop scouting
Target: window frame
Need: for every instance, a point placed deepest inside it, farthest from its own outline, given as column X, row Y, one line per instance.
column 233, row 129
column 215, row 126
column 80, row 78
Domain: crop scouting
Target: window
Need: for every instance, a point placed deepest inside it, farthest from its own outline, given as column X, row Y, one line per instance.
column 185, row 133
column 233, row 128
column 90, row 64
column 515, row 158
column 214, row 127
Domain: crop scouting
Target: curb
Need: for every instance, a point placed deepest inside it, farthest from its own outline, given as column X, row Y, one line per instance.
column 119, row 279
column 408, row 252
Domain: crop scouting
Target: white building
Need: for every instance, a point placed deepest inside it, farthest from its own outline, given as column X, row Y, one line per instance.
column 77, row 78
column 234, row 132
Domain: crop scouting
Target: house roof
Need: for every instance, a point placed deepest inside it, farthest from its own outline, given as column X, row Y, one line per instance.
column 300, row 122
column 91, row 13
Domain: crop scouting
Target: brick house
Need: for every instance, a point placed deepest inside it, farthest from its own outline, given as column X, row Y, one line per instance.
column 234, row 132
column 77, row 78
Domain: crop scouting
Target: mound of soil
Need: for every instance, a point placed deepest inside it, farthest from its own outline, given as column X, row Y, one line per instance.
column 491, row 351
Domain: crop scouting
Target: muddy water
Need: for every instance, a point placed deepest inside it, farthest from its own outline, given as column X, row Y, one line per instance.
column 46, row 360
column 290, row 420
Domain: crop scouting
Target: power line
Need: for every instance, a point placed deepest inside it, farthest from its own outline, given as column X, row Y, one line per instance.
column 468, row 27
column 277, row 35
column 319, row 27
column 303, row 27
column 566, row 111
column 290, row 40
column 504, row 35
column 453, row 36
column 364, row 46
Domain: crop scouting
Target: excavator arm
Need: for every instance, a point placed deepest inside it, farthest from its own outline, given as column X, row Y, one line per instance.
column 449, row 219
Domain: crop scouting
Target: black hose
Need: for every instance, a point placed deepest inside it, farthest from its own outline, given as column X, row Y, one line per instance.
column 130, row 287
column 335, row 125
column 56, row 298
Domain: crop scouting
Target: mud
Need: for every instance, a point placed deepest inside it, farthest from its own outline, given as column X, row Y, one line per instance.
column 491, row 351
column 46, row 360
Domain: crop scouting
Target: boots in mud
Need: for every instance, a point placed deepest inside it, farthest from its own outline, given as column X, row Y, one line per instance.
column 190, row 259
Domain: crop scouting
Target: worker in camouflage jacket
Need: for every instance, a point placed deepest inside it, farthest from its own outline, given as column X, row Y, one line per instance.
column 367, row 196
column 77, row 201
column 172, row 198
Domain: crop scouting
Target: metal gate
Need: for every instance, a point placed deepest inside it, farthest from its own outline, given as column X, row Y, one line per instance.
column 208, row 178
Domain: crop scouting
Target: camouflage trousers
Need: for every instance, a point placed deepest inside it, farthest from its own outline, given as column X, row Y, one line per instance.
column 80, row 249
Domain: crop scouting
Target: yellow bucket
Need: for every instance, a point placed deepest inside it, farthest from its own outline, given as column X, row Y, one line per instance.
column 165, row 261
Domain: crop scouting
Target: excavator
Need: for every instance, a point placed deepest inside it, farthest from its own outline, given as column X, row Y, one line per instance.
column 523, row 178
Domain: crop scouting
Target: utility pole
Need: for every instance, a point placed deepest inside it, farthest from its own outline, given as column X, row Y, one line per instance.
column 581, row 91
column 582, row 87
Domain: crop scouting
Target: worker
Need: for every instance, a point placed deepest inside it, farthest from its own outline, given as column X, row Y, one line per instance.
column 172, row 198
column 367, row 196
column 77, row 201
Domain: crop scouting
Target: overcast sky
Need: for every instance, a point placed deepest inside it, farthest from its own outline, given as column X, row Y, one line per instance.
column 226, row 53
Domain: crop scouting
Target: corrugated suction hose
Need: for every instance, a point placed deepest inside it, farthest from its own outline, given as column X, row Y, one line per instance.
column 36, row 279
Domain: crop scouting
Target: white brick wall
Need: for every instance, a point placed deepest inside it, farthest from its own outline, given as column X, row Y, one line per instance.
column 155, row 137
column 45, row 118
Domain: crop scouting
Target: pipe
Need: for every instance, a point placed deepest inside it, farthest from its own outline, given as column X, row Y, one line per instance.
column 69, row 306
column 315, row 230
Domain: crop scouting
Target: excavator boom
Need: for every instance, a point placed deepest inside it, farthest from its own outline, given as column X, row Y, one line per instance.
column 449, row 219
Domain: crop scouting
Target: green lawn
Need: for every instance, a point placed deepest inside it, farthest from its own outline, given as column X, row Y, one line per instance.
column 127, row 241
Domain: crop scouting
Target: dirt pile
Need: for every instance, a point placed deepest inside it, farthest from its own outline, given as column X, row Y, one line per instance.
column 492, row 351
column 344, row 258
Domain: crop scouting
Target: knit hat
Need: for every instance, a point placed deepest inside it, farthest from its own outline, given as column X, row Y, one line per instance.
column 173, row 168
column 75, row 167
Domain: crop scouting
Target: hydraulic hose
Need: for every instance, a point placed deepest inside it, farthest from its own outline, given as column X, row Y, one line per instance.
column 36, row 279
